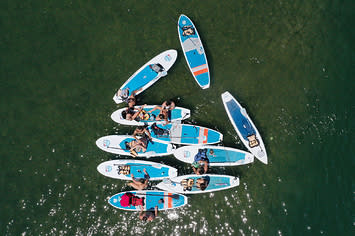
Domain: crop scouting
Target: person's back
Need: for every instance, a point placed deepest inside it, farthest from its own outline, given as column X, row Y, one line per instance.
column 200, row 164
column 148, row 215
column 141, row 183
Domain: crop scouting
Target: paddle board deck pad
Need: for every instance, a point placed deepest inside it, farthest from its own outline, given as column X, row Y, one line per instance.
column 187, row 184
column 216, row 155
column 178, row 113
column 147, row 75
column 117, row 144
column 185, row 134
column 150, row 199
column 193, row 51
column 122, row 169
column 244, row 127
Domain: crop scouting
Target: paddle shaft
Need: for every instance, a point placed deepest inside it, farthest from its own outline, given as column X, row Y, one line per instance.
column 158, row 195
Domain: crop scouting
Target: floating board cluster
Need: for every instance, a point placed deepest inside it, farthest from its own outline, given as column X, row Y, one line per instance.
column 169, row 136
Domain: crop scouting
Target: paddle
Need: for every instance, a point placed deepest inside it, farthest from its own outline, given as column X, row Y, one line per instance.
column 175, row 196
column 169, row 181
column 132, row 165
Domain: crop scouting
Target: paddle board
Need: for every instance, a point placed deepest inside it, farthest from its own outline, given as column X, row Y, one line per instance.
column 147, row 75
column 185, row 134
column 164, row 200
column 116, row 144
column 245, row 127
column 122, row 169
column 178, row 113
column 193, row 51
column 214, row 183
column 217, row 155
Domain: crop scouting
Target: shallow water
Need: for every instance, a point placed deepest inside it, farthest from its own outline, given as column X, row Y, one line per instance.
column 289, row 63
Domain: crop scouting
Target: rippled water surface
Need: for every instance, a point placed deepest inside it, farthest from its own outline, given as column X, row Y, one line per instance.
column 290, row 63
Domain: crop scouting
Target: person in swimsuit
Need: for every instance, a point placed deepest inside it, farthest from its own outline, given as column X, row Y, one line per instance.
column 148, row 215
column 142, row 132
column 140, row 184
column 201, row 183
column 136, row 146
column 200, row 164
column 188, row 30
column 134, row 114
column 165, row 111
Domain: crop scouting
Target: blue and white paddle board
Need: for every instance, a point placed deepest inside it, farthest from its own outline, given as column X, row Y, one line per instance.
column 146, row 75
column 245, row 127
column 178, row 113
column 193, row 51
column 164, row 200
column 116, row 144
column 217, row 155
column 214, row 183
column 187, row 134
column 156, row 171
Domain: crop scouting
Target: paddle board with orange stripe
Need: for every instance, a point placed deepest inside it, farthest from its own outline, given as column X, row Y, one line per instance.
column 193, row 51
column 151, row 198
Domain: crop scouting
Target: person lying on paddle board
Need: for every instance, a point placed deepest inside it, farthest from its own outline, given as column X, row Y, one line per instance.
column 165, row 111
column 148, row 215
column 130, row 99
column 140, row 184
column 201, row 183
column 200, row 164
column 135, row 114
column 188, row 30
column 137, row 145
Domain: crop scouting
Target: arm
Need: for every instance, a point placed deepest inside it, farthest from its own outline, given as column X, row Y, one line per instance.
column 146, row 173
column 141, row 212
column 155, row 108
column 148, row 133
column 205, row 166
column 156, row 211
column 195, row 171
column 134, row 134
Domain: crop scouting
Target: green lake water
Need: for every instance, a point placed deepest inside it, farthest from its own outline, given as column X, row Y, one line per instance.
column 290, row 63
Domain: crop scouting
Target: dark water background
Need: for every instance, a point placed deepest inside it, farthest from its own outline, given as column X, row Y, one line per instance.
column 290, row 63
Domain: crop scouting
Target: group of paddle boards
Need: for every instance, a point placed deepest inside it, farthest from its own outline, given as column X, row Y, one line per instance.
column 190, row 139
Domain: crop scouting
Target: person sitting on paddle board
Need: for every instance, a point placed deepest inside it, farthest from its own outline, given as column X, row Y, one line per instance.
column 200, row 164
column 142, row 132
column 188, row 30
column 133, row 114
column 168, row 105
column 126, row 97
column 140, row 184
column 148, row 215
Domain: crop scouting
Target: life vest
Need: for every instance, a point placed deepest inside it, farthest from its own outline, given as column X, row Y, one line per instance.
column 201, row 155
column 128, row 199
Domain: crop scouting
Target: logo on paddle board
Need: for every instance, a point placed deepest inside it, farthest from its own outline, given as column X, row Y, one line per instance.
column 108, row 168
column 186, row 154
column 167, row 57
